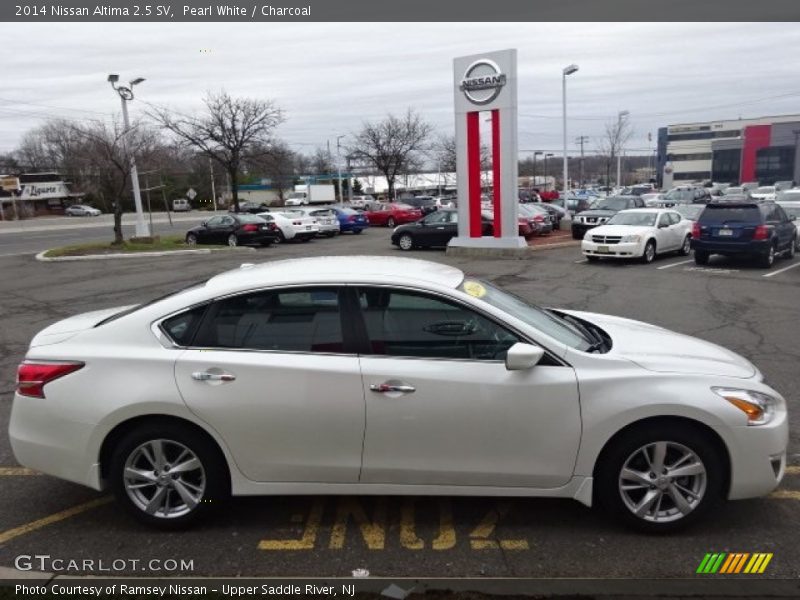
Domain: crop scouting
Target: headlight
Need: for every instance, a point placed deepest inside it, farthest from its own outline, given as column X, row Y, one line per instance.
column 588, row 236
column 759, row 408
column 630, row 238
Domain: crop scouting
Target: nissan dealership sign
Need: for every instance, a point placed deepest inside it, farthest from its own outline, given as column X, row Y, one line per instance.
column 482, row 82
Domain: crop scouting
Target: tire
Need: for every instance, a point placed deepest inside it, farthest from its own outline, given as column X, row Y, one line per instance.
column 406, row 242
column 281, row 238
column 208, row 484
column 390, row 223
column 357, row 231
column 191, row 239
column 700, row 257
column 686, row 248
column 767, row 259
column 305, row 239
column 233, row 241
column 702, row 489
column 649, row 253
column 792, row 250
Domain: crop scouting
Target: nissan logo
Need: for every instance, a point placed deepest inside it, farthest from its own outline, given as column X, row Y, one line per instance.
column 482, row 81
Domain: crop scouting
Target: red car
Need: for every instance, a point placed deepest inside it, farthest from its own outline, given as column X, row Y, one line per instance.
column 391, row 214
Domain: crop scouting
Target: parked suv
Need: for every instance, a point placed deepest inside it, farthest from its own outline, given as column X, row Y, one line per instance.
column 744, row 228
column 600, row 211
column 427, row 204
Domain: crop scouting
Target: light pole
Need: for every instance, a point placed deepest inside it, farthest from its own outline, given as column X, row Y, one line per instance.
column 126, row 94
column 620, row 116
column 546, row 156
column 568, row 70
column 535, row 154
column 339, row 168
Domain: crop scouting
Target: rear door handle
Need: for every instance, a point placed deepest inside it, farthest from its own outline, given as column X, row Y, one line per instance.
column 392, row 387
column 206, row 376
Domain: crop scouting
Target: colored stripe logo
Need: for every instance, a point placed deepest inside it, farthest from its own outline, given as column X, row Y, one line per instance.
column 734, row 563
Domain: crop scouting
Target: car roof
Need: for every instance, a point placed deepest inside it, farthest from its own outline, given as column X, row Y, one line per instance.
column 339, row 269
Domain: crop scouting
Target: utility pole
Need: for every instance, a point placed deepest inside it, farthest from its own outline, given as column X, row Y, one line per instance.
column 582, row 140
column 339, row 167
column 213, row 189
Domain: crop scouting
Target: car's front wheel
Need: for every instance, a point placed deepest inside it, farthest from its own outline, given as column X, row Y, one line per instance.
column 233, row 241
column 168, row 476
column 406, row 242
column 191, row 239
column 390, row 222
column 659, row 478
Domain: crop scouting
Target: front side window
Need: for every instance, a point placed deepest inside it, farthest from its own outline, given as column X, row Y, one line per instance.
column 410, row 324
column 437, row 217
column 291, row 320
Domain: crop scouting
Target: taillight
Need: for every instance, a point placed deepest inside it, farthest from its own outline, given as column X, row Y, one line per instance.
column 761, row 233
column 250, row 227
column 272, row 226
column 33, row 376
column 696, row 230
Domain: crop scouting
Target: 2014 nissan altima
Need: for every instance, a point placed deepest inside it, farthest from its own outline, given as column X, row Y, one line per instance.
column 390, row 376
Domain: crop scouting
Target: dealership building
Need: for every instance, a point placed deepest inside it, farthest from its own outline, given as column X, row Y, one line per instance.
column 763, row 149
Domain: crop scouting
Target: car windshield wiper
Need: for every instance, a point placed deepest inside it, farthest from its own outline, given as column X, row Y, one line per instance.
column 596, row 342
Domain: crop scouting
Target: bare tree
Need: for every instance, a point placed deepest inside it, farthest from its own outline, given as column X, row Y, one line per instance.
column 617, row 134
column 321, row 162
column 444, row 149
column 392, row 145
column 232, row 130
column 279, row 164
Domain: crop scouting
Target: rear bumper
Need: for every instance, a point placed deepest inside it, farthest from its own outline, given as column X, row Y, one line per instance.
column 257, row 238
column 731, row 248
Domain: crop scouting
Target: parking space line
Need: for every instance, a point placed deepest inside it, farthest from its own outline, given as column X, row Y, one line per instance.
column 797, row 264
column 17, row 472
column 683, row 262
column 10, row 534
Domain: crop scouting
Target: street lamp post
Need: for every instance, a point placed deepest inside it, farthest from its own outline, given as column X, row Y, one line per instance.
column 339, row 167
column 126, row 94
column 568, row 70
column 546, row 172
column 622, row 113
column 535, row 154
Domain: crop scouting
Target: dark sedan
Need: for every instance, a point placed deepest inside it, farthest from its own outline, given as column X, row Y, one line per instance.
column 601, row 211
column 434, row 230
column 234, row 230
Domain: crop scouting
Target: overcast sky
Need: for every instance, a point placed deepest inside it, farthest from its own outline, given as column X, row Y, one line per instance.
column 328, row 78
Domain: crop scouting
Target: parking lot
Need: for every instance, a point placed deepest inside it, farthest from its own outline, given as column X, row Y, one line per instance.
column 750, row 310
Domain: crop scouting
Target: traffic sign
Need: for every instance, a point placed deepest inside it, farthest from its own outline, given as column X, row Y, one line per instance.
column 191, row 194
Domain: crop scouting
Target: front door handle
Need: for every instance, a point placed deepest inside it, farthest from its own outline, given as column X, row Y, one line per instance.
column 392, row 387
column 206, row 376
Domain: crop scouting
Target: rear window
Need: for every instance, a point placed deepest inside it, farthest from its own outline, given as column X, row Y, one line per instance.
column 730, row 214
column 250, row 219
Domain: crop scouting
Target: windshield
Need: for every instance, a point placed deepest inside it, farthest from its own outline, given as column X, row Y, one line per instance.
column 613, row 203
column 679, row 195
column 767, row 189
column 136, row 307
column 536, row 317
column 640, row 219
column 250, row 219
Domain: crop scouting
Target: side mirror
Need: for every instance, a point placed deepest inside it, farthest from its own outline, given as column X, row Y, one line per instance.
column 204, row 223
column 792, row 217
column 523, row 356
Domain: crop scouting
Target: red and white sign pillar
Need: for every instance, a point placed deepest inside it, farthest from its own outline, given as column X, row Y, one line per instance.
column 485, row 87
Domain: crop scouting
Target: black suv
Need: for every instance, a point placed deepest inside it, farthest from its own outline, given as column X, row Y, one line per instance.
column 757, row 229
column 427, row 204
column 600, row 211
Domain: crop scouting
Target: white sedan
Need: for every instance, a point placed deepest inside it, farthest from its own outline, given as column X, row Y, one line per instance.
column 376, row 375
column 323, row 216
column 292, row 226
column 82, row 210
column 638, row 233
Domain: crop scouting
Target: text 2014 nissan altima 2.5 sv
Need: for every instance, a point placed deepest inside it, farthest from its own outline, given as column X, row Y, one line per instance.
column 374, row 375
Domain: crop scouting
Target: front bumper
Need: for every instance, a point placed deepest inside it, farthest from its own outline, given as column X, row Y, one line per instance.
column 758, row 458
column 626, row 250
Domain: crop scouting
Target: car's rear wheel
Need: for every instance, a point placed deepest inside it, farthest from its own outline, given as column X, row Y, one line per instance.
column 406, row 242
column 357, row 231
column 168, row 476
column 659, row 478
column 649, row 253
column 281, row 238
column 686, row 247
column 390, row 222
column 700, row 257
column 233, row 241
column 191, row 239
column 767, row 259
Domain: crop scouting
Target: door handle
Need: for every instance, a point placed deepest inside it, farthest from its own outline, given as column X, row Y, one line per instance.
column 206, row 376
column 392, row 387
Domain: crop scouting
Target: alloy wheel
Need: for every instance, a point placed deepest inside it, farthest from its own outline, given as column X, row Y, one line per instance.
column 191, row 240
column 390, row 222
column 662, row 481
column 232, row 241
column 164, row 479
column 405, row 242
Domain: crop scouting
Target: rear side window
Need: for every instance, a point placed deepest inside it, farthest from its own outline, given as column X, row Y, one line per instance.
column 730, row 214
column 295, row 320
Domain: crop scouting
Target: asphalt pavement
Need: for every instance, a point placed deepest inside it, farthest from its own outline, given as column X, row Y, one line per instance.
column 749, row 310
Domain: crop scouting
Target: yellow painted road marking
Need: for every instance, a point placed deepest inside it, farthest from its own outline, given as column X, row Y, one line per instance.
column 309, row 537
column 785, row 495
column 10, row 534
column 793, row 470
column 479, row 536
column 447, row 533
column 17, row 472
column 373, row 532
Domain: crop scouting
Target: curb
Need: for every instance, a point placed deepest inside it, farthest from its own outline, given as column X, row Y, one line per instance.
column 42, row 258
column 556, row 245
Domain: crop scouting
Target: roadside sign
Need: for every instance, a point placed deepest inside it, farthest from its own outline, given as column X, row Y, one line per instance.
column 9, row 184
column 191, row 194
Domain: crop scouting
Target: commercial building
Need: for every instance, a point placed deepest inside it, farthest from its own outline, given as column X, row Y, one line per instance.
column 40, row 194
column 763, row 149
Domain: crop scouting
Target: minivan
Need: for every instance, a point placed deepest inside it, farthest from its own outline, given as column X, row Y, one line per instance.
column 181, row 205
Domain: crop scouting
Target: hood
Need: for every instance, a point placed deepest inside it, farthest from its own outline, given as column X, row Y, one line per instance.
column 663, row 351
column 66, row 328
column 596, row 212
column 620, row 230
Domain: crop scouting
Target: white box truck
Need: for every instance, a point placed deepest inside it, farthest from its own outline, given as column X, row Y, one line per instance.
column 312, row 194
